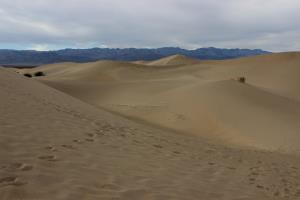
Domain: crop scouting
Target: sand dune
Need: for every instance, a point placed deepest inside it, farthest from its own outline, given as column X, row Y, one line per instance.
column 201, row 99
column 175, row 130
column 276, row 72
column 231, row 111
column 54, row 146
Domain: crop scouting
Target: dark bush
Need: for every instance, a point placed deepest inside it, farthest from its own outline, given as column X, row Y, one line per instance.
column 39, row 74
column 242, row 79
column 28, row 75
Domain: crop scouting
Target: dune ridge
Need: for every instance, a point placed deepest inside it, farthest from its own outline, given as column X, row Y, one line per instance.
column 174, row 60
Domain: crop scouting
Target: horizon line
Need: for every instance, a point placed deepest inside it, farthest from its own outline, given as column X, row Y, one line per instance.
column 146, row 48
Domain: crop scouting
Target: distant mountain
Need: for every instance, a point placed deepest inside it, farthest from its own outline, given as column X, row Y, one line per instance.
column 33, row 58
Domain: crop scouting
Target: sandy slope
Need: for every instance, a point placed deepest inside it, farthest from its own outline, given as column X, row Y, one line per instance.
column 200, row 98
column 56, row 147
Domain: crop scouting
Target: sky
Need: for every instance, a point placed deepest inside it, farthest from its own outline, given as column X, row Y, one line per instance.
column 272, row 25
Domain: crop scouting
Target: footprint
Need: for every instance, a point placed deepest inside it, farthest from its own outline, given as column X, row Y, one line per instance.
column 67, row 146
column 293, row 167
column 26, row 167
column 287, row 190
column 122, row 135
column 11, row 180
column 48, row 158
column 231, row 168
column 8, row 179
column 254, row 174
column 19, row 183
column 252, row 180
column 99, row 132
column 260, row 186
column 209, row 151
column 276, row 194
column 78, row 141
column 21, row 166
column 158, row 146
column 90, row 135
column 136, row 141
column 50, row 148
column 176, row 152
column 89, row 140
column 110, row 187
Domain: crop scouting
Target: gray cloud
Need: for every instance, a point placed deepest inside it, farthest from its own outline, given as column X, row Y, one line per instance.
column 41, row 24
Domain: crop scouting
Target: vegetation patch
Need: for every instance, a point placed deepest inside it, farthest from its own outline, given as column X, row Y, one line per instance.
column 241, row 79
column 39, row 73
column 27, row 75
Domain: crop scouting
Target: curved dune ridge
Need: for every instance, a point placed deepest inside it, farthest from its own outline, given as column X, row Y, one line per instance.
column 55, row 146
column 174, row 60
column 202, row 99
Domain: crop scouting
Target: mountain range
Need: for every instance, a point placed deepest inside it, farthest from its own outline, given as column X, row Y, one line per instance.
column 34, row 58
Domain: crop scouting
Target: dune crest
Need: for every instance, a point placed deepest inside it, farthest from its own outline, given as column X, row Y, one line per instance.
column 174, row 60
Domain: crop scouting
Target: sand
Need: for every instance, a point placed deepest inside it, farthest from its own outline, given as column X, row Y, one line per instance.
column 202, row 98
column 117, row 130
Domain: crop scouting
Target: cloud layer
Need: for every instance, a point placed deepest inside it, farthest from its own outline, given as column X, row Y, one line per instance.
column 48, row 24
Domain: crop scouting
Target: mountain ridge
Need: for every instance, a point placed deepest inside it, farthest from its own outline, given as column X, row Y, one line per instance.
column 34, row 58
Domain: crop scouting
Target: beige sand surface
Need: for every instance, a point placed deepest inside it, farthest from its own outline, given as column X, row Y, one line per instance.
column 54, row 147
column 201, row 98
column 173, row 131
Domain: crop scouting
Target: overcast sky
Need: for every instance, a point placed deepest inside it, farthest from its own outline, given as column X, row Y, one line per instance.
column 54, row 24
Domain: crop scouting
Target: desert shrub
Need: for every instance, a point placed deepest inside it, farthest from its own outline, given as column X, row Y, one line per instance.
column 242, row 79
column 28, row 75
column 39, row 74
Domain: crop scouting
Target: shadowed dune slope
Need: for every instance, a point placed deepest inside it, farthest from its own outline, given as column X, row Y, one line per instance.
column 235, row 112
column 201, row 98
